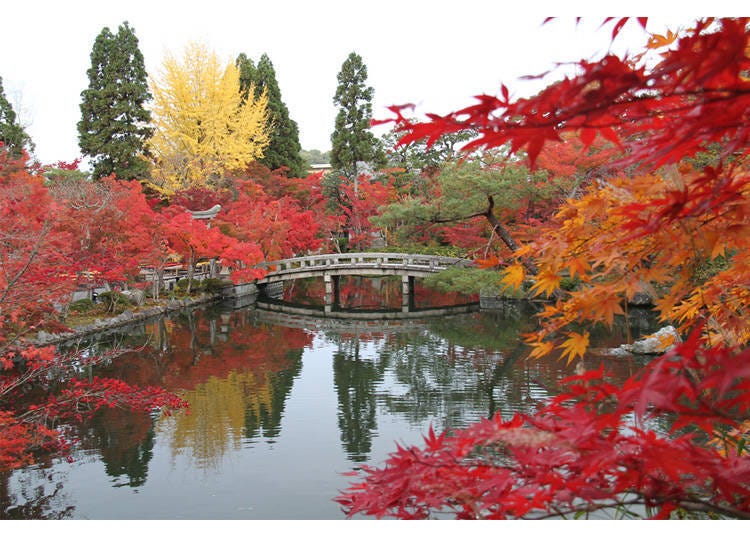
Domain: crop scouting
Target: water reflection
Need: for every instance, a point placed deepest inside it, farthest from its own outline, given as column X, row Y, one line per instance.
column 124, row 441
column 279, row 409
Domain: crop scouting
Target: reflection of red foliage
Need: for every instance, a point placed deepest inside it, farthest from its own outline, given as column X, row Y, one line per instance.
column 372, row 293
column 425, row 297
column 193, row 357
column 54, row 235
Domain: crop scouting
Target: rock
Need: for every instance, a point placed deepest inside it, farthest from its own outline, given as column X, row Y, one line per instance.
column 43, row 337
column 134, row 296
column 125, row 316
column 611, row 352
column 660, row 342
column 641, row 299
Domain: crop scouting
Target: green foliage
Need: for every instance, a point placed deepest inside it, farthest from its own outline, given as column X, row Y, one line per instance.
column 215, row 285
column 113, row 301
column 12, row 135
column 417, row 159
column 352, row 140
column 284, row 148
column 468, row 281
column 82, row 306
column 492, row 186
column 182, row 286
column 59, row 176
column 708, row 268
column 330, row 186
column 114, row 125
column 315, row 156
column 427, row 249
column 209, row 285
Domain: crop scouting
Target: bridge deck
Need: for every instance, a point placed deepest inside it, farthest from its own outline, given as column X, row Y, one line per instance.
column 357, row 264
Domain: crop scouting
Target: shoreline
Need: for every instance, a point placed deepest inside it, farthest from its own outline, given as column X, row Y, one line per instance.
column 44, row 338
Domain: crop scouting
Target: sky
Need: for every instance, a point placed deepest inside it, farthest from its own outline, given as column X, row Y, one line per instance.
column 435, row 54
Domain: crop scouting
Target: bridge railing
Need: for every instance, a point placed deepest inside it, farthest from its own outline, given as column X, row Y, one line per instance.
column 369, row 260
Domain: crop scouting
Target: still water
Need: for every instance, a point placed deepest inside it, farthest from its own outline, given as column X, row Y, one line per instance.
column 281, row 405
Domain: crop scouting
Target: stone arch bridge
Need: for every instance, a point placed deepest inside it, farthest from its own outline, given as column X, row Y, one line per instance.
column 332, row 267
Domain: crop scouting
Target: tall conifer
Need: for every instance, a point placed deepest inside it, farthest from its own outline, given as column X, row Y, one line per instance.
column 114, row 125
column 12, row 134
column 352, row 140
column 284, row 147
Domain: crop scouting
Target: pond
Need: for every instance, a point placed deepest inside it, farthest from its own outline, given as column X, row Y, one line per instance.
column 281, row 405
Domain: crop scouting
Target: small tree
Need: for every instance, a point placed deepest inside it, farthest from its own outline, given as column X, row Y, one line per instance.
column 114, row 125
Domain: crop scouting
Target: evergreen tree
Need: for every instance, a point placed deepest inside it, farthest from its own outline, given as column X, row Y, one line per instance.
column 352, row 140
column 114, row 125
column 12, row 134
column 248, row 75
column 284, row 147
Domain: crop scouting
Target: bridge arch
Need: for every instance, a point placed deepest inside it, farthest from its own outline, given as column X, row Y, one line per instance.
column 367, row 264
column 331, row 267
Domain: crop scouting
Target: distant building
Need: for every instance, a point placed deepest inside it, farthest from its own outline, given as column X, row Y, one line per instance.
column 316, row 168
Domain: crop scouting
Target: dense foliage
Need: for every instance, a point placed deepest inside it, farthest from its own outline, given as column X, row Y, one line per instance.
column 62, row 232
column 668, row 218
column 283, row 149
column 114, row 126
column 204, row 129
column 13, row 137
column 352, row 140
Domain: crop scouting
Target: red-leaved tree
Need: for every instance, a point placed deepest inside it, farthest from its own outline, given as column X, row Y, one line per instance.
column 42, row 254
column 671, row 217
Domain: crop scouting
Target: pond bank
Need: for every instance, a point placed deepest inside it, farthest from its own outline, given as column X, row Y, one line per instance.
column 44, row 338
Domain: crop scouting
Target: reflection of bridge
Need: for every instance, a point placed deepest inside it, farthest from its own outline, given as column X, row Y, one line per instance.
column 331, row 267
column 388, row 321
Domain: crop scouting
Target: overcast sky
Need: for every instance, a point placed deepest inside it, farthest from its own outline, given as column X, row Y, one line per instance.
column 436, row 54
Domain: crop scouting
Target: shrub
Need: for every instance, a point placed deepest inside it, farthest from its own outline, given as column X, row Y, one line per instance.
column 113, row 301
column 82, row 306
column 215, row 285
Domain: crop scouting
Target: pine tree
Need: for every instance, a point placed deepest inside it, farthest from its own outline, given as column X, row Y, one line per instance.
column 114, row 125
column 352, row 140
column 284, row 147
column 12, row 134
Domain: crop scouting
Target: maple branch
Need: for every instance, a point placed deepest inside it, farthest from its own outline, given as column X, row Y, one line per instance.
column 32, row 255
column 557, row 121
column 696, row 505
column 436, row 219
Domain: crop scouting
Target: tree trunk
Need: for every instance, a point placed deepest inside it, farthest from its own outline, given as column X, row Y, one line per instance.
column 504, row 235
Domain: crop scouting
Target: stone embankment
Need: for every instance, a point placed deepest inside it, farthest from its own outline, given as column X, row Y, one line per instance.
column 127, row 317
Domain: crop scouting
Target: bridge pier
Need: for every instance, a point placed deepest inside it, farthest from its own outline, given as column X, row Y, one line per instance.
column 377, row 264
column 333, row 296
column 407, row 293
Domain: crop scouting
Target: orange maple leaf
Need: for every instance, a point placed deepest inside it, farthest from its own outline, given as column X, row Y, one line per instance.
column 546, row 282
column 540, row 349
column 489, row 262
column 575, row 345
column 659, row 41
column 513, row 276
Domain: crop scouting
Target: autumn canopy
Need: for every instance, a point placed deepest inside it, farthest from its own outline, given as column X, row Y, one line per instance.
column 670, row 220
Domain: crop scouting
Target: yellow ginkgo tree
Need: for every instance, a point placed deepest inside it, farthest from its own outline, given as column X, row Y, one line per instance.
column 204, row 128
